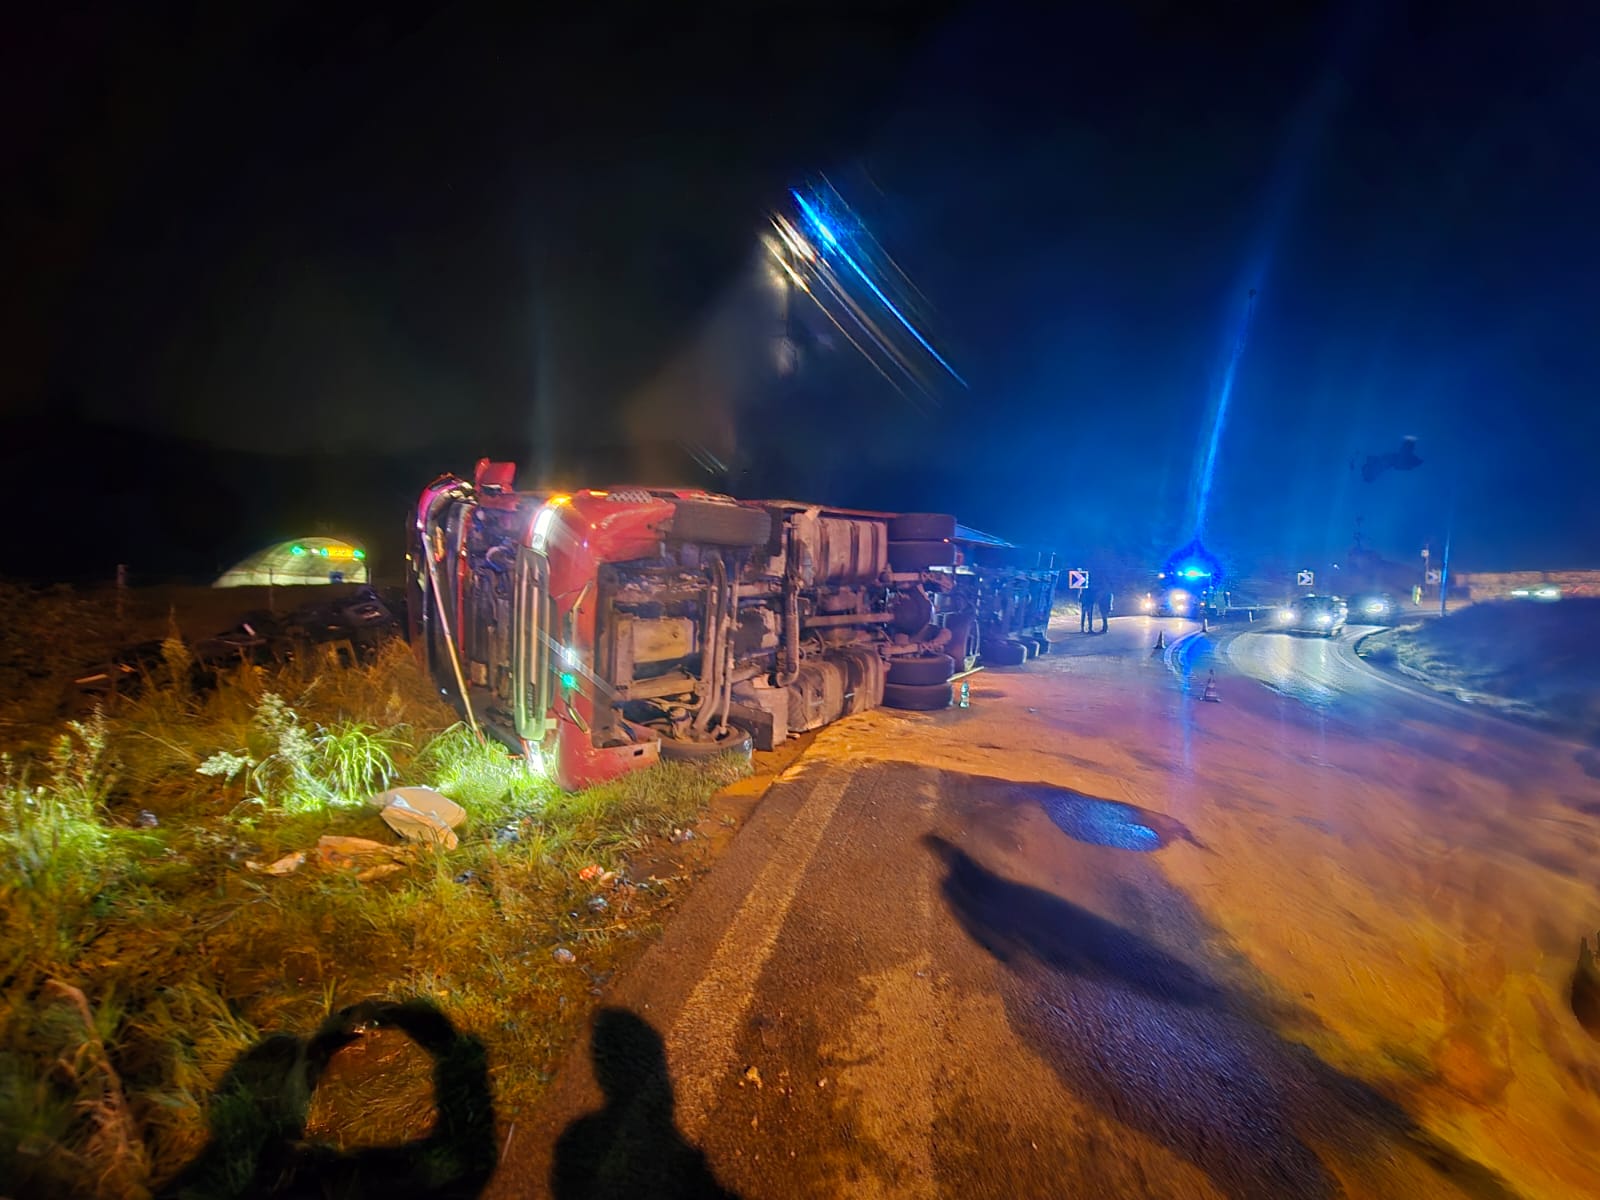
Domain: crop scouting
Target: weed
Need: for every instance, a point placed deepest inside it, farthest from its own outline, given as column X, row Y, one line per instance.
column 52, row 832
column 153, row 968
column 482, row 777
column 354, row 760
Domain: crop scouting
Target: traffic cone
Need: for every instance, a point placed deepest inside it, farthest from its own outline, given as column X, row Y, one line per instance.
column 1161, row 640
column 1211, row 689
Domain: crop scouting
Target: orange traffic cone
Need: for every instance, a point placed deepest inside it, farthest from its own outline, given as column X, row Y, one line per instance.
column 1211, row 689
column 1161, row 640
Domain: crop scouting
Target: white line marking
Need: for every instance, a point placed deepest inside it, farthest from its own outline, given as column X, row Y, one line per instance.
column 703, row 1040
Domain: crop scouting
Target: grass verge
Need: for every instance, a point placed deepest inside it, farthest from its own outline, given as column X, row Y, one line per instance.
column 144, row 948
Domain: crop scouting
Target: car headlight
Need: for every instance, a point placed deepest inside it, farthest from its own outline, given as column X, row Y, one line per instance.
column 1324, row 619
column 1285, row 615
column 1376, row 606
column 1147, row 604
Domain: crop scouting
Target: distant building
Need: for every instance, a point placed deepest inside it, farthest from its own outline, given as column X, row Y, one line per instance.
column 307, row 560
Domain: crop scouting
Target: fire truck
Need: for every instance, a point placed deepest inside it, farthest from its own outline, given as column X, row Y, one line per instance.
column 604, row 630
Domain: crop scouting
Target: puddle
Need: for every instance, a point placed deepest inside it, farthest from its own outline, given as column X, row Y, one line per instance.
column 1099, row 822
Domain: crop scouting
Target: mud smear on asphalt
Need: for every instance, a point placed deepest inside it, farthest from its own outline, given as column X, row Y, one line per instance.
column 1159, row 1044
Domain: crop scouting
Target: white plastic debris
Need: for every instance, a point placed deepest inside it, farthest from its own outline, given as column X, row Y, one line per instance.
column 283, row 866
column 420, row 814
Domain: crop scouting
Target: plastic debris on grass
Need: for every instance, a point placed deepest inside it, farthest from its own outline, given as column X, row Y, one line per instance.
column 368, row 859
column 286, row 865
column 420, row 814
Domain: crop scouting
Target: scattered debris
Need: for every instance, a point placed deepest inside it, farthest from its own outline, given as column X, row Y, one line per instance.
column 563, row 955
column 147, row 819
column 283, row 866
column 590, row 872
column 597, row 904
column 508, row 834
column 362, row 855
column 467, row 877
column 682, row 835
column 752, row 1075
column 420, row 814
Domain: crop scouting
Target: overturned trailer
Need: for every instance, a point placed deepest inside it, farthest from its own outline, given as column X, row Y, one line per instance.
column 606, row 629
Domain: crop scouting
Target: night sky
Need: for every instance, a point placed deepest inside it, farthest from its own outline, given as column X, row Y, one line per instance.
column 274, row 272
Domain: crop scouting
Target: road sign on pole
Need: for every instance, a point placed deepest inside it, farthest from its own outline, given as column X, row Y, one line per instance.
column 1306, row 579
column 1077, row 580
column 1433, row 577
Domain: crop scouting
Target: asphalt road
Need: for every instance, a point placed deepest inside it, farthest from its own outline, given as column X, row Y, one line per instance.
column 1095, row 936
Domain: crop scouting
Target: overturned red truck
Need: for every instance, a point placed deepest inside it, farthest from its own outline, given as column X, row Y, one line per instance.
column 605, row 629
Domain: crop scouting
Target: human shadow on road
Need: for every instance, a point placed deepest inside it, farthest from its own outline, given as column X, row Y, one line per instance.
column 258, row 1119
column 631, row 1148
column 1013, row 922
column 1156, row 1044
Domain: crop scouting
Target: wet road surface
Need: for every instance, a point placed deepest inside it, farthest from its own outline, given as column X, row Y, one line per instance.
column 1094, row 936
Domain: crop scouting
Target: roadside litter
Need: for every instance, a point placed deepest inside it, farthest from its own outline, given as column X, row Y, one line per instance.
column 563, row 955
column 367, row 858
column 283, row 866
column 597, row 875
column 420, row 814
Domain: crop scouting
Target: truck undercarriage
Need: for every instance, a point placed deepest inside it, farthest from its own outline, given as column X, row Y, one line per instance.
column 607, row 629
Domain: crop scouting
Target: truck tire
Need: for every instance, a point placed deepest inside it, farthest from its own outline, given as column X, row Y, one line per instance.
column 926, row 697
column 922, row 527
column 997, row 652
column 737, row 742
column 1044, row 643
column 920, row 555
column 718, row 524
column 921, row 672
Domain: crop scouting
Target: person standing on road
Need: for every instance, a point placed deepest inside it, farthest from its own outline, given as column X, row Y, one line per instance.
column 1102, row 601
column 1090, row 598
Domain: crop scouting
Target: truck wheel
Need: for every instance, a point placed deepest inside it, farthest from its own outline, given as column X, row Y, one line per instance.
column 921, row 672
column 720, row 524
column 736, row 741
column 927, row 697
column 919, row 556
column 1000, row 653
column 922, row 527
